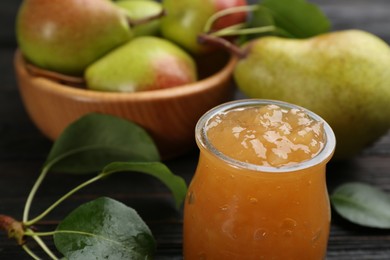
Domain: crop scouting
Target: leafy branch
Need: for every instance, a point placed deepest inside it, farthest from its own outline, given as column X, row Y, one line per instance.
column 283, row 18
column 109, row 145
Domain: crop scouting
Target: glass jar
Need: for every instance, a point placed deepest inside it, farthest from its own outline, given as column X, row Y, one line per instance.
column 238, row 210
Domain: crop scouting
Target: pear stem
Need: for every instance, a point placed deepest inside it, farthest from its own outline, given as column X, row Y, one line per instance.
column 145, row 20
column 232, row 48
column 59, row 201
column 70, row 80
column 44, row 247
column 30, row 253
column 224, row 12
column 33, row 191
column 232, row 31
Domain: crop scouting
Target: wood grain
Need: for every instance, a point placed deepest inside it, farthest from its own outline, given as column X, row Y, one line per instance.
column 23, row 149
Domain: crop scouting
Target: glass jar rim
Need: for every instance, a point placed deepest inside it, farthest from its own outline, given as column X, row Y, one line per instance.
column 203, row 142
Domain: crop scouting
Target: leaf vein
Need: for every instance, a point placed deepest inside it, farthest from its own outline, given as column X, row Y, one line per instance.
column 84, row 233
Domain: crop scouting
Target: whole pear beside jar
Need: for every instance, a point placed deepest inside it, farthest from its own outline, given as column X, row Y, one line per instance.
column 342, row 76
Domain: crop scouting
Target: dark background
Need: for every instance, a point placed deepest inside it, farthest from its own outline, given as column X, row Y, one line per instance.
column 23, row 150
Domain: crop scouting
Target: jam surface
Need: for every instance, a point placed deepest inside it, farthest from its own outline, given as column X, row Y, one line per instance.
column 266, row 135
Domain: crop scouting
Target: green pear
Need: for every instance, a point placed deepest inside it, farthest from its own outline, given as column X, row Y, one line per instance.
column 142, row 9
column 342, row 76
column 66, row 36
column 186, row 19
column 144, row 63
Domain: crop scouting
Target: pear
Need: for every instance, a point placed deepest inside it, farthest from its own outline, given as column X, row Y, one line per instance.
column 66, row 36
column 342, row 76
column 186, row 19
column 144, row 63
column 143, row 9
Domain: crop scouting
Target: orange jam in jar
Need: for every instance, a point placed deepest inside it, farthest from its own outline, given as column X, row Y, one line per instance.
column 259, row 191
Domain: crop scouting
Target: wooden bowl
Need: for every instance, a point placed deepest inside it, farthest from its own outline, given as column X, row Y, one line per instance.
column 169, row 115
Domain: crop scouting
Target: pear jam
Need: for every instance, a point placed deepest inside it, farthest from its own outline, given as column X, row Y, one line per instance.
column 267, row 135
column 259, row 190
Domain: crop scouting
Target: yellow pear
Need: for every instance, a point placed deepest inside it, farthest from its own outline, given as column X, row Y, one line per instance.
column 342, row 76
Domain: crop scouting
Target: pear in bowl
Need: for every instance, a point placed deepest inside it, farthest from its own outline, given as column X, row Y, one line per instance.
column 169, row 115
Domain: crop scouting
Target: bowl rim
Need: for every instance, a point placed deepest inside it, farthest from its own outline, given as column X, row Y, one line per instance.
column 185, row 90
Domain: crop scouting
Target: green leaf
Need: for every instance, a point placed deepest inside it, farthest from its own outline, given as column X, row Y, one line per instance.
column 294, row 18
column 95, row 140
column 175, row 183
column 104, row 229
column 362, row 204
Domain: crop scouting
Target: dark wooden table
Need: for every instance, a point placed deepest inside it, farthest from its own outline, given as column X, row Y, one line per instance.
column 23, row 150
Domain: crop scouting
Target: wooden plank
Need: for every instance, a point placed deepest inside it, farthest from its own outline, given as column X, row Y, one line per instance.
column 23, row 150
